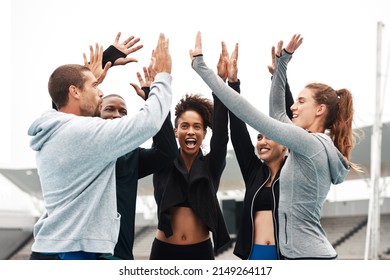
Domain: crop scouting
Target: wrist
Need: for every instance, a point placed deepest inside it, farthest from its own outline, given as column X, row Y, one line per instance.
column 233, row 80
column 237, row 81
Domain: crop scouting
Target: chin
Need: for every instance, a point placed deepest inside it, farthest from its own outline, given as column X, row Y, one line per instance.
column 190, row 151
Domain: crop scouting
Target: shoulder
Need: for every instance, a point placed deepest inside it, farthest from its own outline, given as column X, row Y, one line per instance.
column 324, row 138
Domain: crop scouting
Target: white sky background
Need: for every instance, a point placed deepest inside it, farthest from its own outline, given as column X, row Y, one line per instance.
column 339, row 48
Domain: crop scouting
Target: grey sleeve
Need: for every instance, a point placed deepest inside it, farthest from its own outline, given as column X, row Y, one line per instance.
column 277, row 99
column 122, row 135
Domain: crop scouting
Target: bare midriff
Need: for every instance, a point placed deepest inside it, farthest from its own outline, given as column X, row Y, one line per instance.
column 186, row 226
column 264, row 228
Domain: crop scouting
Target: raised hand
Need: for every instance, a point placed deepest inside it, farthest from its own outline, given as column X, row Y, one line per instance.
column 232, row 68
column 149, row 75
column 127, row 47
column 294, row 43
column 198, row 46
column 162, row 61
column 222, row 62
column 95, row 62
column 227, row 66
column 271, row 68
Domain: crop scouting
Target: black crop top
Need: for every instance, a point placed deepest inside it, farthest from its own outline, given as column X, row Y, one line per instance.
column 263, row 200
column 183, row 204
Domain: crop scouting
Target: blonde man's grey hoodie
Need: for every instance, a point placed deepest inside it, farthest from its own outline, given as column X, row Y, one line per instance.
column 75, row 159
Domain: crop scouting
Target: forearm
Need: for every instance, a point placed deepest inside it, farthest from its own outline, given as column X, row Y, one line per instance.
column 165, row 141
column 131, row 131
column 277, row 100
column 289, row 100
column 233, row 101
column 241, row 139
column 286, row 134
column 219, row 138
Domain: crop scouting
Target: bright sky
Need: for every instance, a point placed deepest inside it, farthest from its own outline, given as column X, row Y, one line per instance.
column 339, row 48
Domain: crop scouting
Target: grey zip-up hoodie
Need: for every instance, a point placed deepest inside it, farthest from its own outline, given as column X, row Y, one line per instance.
column 312, row 165
column 76, row 164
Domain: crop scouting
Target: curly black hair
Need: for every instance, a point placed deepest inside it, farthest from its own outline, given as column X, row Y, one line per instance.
column 195, row 102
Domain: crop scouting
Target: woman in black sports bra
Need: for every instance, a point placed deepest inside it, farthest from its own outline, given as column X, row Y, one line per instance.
column 257, row 236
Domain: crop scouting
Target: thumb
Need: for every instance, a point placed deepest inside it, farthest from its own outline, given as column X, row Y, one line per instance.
column 135, row 86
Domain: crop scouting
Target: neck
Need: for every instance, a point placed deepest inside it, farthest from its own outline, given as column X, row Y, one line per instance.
column 69, row 109
column 275, row 166
column 316, row 127
column 188, row 159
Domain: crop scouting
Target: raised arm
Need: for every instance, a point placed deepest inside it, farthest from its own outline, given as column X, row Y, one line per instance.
column 291, row 136
column 135, row 130
column 220, row 136
column 164, row 148
column 288, row 94
column 144, row 88
column 277, row 103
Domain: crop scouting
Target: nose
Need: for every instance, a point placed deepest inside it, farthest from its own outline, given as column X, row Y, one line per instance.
column 190, row 130
column 263, row 142
column 293, row 107
column 116, row 114
column 100, row 93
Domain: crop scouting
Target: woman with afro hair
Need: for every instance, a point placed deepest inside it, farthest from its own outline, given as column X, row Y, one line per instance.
column 185, row 189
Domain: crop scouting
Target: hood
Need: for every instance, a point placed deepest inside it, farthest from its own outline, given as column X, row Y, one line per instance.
column 43, row 128
column 338, row 165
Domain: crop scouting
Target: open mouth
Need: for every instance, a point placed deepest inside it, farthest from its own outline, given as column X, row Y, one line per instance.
column 264, row 150
column 190, row 142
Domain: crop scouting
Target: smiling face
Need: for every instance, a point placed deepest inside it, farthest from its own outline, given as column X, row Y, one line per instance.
column 269, row 150
column 305, row 110
column 190, row 132
column 113, row 107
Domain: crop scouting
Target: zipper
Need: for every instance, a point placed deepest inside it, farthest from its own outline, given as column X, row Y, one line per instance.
column 285, row 227
column 253, row 201
column 274, row 218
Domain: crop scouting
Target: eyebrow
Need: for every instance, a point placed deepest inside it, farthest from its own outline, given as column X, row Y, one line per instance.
column 196, row 123
column 113, row 106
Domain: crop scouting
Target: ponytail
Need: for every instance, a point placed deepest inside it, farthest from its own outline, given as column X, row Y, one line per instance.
column 341, row 130
column 339, row 118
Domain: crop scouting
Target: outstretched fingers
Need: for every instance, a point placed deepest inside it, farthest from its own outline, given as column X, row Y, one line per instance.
column 294, row 43
column 279, row 48
column 198, row 46
column 162, row 61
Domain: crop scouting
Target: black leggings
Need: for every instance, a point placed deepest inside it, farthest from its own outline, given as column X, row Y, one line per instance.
column 166, row 251
column 39, row 256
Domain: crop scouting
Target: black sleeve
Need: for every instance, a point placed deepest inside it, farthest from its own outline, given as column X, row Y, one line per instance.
column 219, row 140
column 164, row 150
column 242, row 144
column 146, row 90
column 289, row 100
column 111, row 54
